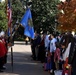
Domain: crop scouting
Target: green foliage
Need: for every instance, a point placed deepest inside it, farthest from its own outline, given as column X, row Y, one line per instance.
column 19, row 36
column 44, row 14
column 17, row 9
column 18, row 12
column 3, row 18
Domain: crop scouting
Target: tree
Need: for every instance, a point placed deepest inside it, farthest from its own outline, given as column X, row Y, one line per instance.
column 3, row 18
column 17, row 9
column 67, row 18
column 44, row 14
column 17, row 13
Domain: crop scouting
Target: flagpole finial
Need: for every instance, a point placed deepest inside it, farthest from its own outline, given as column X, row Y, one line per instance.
column 29, row 4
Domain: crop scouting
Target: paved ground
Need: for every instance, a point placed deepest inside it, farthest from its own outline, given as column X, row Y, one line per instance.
column 23, row 64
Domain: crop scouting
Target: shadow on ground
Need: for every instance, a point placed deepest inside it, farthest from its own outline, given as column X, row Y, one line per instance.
column 23, row 65
column 22, row 62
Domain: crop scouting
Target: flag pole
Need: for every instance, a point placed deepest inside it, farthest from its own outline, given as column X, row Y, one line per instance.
column 10, row 28
column 12, row 58
column 11, row 48
column 11, row 42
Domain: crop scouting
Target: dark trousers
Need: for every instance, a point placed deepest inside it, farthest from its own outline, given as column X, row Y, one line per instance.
column 33, row 52
column 52, row 60
column 74, row 65
column 41, row 54
column 1, row 62
column 5, row 59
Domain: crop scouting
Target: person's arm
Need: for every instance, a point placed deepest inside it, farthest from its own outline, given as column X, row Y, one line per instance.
column 54, row 46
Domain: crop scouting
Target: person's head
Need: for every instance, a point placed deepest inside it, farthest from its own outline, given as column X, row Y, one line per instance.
column 52, row 36
column 36, row 33
column 29, row 4
column 63, row 45
column 44, row 34
column 57, row 45
column 2, row 34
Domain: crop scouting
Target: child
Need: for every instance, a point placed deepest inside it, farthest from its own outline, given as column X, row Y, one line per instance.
column 57, row 56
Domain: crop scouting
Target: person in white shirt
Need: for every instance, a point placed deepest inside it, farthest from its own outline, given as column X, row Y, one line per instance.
column 46, row 41
column 52, row 43
column 52, row 50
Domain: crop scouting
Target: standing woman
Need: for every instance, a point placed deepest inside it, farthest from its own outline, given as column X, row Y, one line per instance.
column 72, row 56
column 42, row 50
column 65, row 54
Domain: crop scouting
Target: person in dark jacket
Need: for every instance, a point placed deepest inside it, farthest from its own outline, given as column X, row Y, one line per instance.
column 37, row 42
column 35, row 46
column 41, row 53
column 72, row 56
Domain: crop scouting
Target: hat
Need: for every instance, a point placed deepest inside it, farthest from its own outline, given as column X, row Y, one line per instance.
column 2, row 33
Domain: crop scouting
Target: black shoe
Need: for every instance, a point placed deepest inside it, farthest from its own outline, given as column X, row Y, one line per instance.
column 3, row 68
column 42, row 66
column 1, row 71
column 51, row 72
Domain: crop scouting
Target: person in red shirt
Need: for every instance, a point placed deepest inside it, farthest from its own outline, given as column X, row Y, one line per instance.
column 57, row 56
column 3, row 51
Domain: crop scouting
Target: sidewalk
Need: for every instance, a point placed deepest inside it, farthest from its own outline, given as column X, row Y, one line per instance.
column 23, row 64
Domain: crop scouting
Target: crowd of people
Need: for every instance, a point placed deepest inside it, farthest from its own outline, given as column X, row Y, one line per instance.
column 56, row 52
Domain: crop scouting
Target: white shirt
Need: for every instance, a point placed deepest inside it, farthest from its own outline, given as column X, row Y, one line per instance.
column 52, row 45
column 46, row 41
column 66, row 53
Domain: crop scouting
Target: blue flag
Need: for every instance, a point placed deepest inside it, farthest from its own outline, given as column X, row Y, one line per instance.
column 26, row 22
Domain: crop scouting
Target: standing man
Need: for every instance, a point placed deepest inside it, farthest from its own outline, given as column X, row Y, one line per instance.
column 35, row 45
column 52, row 50
column 46, row 41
